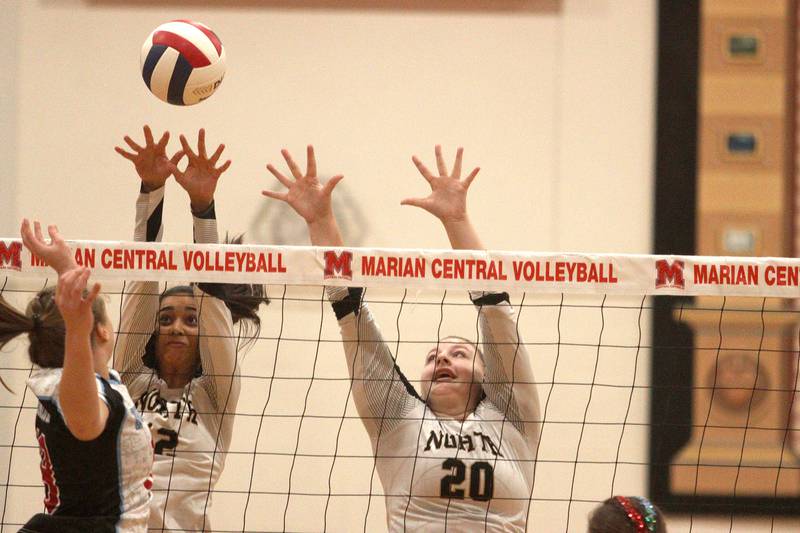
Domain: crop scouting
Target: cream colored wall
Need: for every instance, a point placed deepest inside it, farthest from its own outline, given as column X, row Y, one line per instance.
column 557, row 109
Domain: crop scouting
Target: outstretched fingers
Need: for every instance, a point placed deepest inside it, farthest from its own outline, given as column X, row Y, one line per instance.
column 174, row 160
column 135, row 147
column 26, row 232
column 215, row 156
column 311, row 162
column 468, row 179
column 286, row 182
column 127, row 155
column 148, row 136
column 55, row 236
column 292, row 165
column 416, row 202
column 282, row 196
column 422, row 169
column 95, row 290
column 162, row 142
column 331, row 184
column 457, row 165
column 440, row 160
column 79, row 283
column 224, row 167
column 186, row 148
column 201, row 144
column 37, row 231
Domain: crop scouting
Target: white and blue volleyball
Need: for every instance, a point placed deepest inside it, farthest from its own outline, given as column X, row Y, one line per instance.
column 183, row 62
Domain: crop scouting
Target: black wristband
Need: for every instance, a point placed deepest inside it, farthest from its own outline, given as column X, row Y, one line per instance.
column 349, row 304
column 493, row 298
column 207, row 213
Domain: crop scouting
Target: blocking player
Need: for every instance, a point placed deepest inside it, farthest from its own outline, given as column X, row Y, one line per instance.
column 177, row 348
column 458, row 455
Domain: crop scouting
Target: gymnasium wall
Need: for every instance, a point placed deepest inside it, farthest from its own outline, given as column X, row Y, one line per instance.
column 555, row 106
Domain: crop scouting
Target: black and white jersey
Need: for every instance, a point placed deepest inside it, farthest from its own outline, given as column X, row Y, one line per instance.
column 441, row 474
column 103, row 483
column 192, row 427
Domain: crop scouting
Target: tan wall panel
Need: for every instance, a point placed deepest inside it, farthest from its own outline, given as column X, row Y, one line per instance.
column 731, row 95
column 744, row 8
column 714, row 154
column 768, row 230
column 754, row 193
column 771, row 56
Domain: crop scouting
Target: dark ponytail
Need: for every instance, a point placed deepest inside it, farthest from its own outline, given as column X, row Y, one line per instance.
column 44, row 325
column 242, row 299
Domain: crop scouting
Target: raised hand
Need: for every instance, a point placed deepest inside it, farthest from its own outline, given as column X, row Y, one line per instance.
column 448, row 198
column 305, row 194
column 74, row 303
column 56, row 253
column 200, row 178
column 151, row 160
column 309, row 198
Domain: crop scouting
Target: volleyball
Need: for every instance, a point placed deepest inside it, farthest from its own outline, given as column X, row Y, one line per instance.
column 182, row 62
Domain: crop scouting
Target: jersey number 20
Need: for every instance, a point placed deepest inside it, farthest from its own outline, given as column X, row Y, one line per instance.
column 481, row 480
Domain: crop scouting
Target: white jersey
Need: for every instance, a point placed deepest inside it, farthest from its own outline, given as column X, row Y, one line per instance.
column 98, row 485
column 191, row 427
column 440, row 474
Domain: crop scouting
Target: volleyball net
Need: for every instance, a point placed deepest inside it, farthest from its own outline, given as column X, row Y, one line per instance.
column 666, row 376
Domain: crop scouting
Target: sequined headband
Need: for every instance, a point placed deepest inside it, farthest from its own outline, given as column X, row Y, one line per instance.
column 643, row 524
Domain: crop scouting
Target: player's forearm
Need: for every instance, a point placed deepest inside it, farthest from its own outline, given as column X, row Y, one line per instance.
column 509, row 381
column 325, row 232
column 149, row 206
column 138, row 317
column 204, row 225
column 78, row 389
column 462, row 234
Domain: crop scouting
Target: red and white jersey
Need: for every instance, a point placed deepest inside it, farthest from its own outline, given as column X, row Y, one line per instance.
column 104, row 482
column 192, row 427
column 440, row 474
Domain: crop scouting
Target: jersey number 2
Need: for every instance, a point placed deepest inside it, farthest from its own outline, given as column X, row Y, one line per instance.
column 481, row 480
column 169, row 440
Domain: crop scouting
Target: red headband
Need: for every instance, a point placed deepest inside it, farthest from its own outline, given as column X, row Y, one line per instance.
column 633, row 515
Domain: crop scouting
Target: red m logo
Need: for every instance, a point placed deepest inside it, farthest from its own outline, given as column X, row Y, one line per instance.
column 669, row 274
column 338, row 265
column 10, row 255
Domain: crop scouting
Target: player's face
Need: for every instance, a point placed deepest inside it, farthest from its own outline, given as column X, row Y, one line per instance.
column 452, row 369
column 176, row 345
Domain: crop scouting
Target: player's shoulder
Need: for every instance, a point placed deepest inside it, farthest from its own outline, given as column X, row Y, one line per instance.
column 44, row 382
column 487, row 410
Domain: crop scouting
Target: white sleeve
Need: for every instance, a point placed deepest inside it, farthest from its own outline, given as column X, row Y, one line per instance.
column 139, row 301
column 221, row 374
column 508, row 378
column 382, row 394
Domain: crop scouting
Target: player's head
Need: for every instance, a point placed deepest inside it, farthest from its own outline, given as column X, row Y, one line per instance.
column 45, row 327
column 452, row 375
column 176, row 339
column 622, row 514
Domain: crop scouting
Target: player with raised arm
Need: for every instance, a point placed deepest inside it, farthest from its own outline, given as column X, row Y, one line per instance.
column 96, row 453
column 459, row 456
column 177, row 350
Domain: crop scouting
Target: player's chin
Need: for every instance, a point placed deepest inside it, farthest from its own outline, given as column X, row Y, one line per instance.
column 446, row 387
column 174, row 353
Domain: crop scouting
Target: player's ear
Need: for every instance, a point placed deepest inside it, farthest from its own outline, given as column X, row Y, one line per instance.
column 102, row 332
